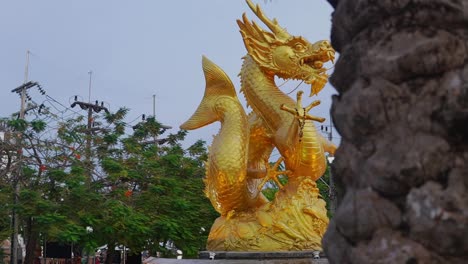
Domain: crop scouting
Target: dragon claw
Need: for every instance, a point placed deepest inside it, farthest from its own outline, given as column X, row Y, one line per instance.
column 300, row 112
column 272, row 173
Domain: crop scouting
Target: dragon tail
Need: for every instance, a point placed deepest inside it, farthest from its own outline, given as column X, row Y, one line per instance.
column 225, row 181
column 217, row 84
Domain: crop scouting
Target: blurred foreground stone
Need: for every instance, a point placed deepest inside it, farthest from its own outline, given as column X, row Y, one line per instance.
column 402, row 112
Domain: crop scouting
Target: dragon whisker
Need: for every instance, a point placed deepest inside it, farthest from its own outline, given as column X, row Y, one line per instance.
column 286, row 81
column 296, row 87
column 332, row 67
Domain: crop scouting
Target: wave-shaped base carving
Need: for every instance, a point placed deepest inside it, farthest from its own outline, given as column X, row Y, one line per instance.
column 295, row 220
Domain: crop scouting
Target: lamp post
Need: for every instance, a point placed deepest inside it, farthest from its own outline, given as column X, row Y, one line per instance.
column 332, row 189
column 179, row 254
column 89, row 230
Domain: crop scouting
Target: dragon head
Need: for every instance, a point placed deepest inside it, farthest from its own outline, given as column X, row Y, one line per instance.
column 286, row 56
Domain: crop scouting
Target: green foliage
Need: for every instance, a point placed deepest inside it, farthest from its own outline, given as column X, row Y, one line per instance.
column 167, row 187
column 135, row 191
column 57, row 175
column 5, row 208
column 18, row 124
column 38, row 125
column 272, row 188
column 111, row 166
column 322, row 184
column 22, row 125
column 120, row 223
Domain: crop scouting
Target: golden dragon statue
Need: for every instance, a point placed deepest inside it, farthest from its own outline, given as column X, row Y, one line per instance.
column 237, row 166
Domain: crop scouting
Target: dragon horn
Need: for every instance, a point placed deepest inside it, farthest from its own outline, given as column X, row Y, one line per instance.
column 272, row 25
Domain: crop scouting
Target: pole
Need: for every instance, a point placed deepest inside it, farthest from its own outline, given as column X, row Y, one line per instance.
column 88, row 143
column 88, row 136
column 23, row 91
column 124, row 255
column 89, row 131
column 332, row 189
column 45, row 250
column 16, row 185
column 89, row 87
column 154, row 106
column 89, row 128
column 14, row 215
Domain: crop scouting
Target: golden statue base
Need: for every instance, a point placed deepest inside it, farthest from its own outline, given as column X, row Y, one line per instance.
column 295, row 220
column 255, row 256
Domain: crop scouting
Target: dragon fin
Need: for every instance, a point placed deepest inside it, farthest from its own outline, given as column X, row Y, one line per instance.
column 217, row 84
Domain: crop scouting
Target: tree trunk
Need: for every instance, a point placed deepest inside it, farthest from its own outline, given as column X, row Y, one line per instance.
column 110, row 253
column 402, row 112
column 31, row 242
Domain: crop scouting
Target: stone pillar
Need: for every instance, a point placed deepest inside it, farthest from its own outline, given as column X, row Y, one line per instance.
column 402, row 112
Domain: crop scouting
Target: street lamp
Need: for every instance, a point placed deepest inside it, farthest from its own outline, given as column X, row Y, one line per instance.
column 332, row 190
column 179, row 254
column 89, row 230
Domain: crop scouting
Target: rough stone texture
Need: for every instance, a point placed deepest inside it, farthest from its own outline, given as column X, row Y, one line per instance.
column 437, row 214
column 402, row 111
column 359, row 217
column 389, row 247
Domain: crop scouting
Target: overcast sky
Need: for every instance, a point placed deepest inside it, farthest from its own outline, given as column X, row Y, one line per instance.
column 139, row 48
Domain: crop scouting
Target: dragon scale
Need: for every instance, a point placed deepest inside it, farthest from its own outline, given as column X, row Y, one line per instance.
column 265, row 98
column 263, row 95
column 227, row 159
column 226, row 181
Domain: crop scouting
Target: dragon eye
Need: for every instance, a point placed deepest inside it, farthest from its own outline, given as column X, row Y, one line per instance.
column 299, row 47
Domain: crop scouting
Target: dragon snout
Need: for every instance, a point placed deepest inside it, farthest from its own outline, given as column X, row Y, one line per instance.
column 327, row 50
column 324, row 51
column 328, row 54
column 331, row 55
column 325, row 45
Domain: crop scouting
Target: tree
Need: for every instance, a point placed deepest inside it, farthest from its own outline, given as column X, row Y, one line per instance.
column 163, row 182
column 137, row 190
column 402, row 113
column 7, row 166
column 49, row 180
